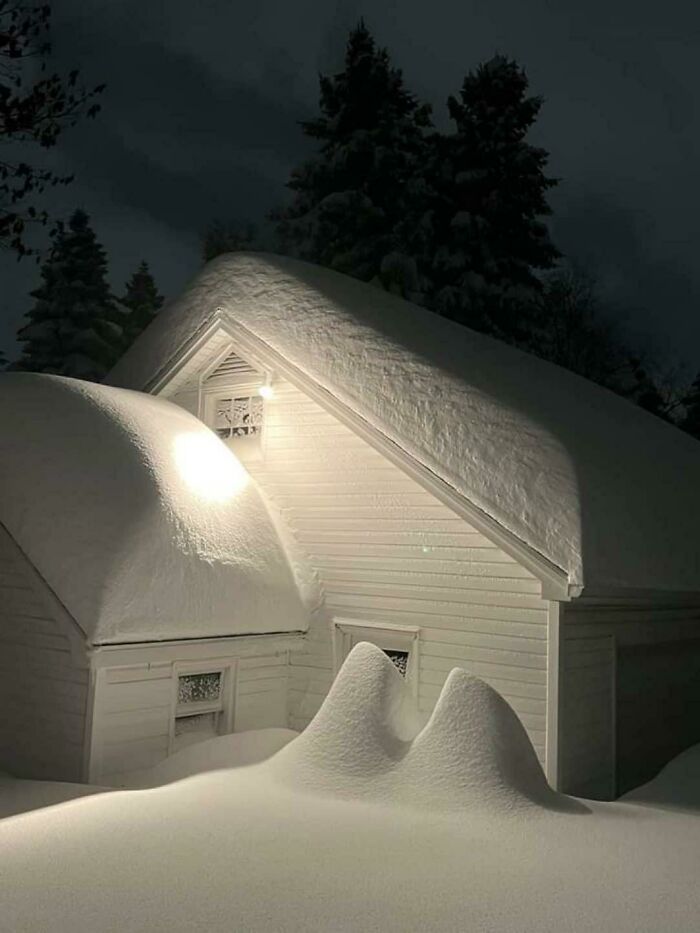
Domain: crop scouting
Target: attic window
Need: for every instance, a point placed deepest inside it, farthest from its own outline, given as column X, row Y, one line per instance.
column 238, row 417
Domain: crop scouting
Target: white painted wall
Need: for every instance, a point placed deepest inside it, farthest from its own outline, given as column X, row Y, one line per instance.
column 630, row 690
column 387, row 550
column 134, row 703
column 43, row 676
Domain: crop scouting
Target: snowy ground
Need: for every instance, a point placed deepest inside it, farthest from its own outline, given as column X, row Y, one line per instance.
column 361, row 824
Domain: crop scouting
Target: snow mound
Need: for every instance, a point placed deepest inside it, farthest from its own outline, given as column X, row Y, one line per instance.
column 225, row 751
column 140, row 519
column 366, row 742
column 676, row 786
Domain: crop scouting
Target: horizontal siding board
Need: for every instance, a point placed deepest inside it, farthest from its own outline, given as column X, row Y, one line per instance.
column 140, row 695
column 446, row 610
column 464, row 566
column 424, row 592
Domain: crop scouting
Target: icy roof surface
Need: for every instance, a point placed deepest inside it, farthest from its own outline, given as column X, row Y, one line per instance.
column 602, row 489
column 142, row 522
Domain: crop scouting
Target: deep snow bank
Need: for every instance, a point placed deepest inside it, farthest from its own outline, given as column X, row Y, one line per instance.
column 677, row 786
column 366, row 742
column 142, row 522
column 237, row 750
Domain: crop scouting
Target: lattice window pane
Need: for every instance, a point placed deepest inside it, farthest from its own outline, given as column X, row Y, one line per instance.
column 222, row 417
column 194, row 688
column 399, row 659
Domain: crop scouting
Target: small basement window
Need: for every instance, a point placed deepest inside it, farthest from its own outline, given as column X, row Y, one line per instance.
column 199, row 708
column 240, row 416
column 400, row 643
column 399, row 659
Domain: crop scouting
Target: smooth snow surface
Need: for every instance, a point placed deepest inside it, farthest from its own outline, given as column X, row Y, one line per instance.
column 282, row 846
column 602, row 489
column 367, row 742
column 236, row 750
column 142, row 522
column 676, row 786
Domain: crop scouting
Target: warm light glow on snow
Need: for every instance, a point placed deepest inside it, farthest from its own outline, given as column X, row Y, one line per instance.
column 266, row 391
column 208, row 467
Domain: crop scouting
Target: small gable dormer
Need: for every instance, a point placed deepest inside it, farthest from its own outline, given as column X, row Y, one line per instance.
column 233, row 404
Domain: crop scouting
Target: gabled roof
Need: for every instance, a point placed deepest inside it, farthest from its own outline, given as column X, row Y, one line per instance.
column 599, row 488
column 142, row 522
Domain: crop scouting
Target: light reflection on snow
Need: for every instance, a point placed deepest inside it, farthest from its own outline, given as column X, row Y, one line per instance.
column 208, row 467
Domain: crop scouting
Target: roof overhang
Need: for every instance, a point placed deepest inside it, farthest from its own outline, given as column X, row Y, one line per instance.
column 205, row 348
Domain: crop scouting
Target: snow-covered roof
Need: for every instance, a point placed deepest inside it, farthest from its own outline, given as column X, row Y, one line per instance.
column 603, row 490
column 138, row 517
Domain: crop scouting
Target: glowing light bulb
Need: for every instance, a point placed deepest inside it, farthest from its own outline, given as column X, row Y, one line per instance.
column 208, row 467
column 266, row 391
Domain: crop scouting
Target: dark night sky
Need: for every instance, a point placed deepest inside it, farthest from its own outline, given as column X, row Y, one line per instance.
column 199, row 120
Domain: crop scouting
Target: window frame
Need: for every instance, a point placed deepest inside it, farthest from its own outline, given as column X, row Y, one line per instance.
column 224, row 705
column 235, row 392
column 385, row 635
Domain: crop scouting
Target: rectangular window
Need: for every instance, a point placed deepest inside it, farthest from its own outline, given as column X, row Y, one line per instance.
column 238, row 417
column 400, row 643
column 399, row 659
column 199, row 707
column 193, row 688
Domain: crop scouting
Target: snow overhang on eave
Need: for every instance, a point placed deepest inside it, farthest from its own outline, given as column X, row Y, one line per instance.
column 225, row 334
column 125, row 654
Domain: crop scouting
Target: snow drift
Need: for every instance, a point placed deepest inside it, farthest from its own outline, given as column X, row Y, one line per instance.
column 366, row 742
column 142, row 522
column 236, row 750
column 602, row 489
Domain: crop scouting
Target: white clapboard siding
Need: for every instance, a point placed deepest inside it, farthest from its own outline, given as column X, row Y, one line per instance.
column 43, row 676
column 133, row 709
column 131, row 721
column 586, row 715
column 646, row 689
column 386, row 550
column 261, row 693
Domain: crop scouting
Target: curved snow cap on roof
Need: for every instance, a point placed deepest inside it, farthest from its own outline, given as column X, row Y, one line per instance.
column 142, row 522
column 602, row 489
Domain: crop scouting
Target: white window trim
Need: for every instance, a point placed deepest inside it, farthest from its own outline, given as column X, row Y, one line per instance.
column 225, row 703
column 384, row 635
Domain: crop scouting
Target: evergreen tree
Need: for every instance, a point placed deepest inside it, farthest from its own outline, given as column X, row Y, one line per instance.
column 143, row 303
column 34, row 109
column 351, row 199
column 486, row 194
column 221, row 238
column 691, row 422
column 75, row 327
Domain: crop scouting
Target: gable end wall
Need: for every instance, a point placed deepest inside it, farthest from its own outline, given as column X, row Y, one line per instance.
column 43, row 676
column 386, row 550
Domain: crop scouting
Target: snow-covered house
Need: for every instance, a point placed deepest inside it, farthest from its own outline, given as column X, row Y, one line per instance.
column 460, row 502
column 148, row 595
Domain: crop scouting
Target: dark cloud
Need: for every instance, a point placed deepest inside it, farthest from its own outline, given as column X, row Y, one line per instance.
column 201, row 114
